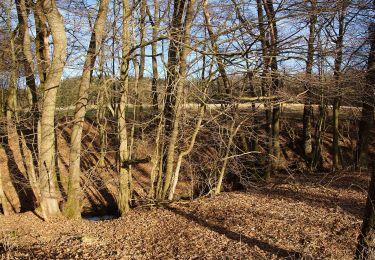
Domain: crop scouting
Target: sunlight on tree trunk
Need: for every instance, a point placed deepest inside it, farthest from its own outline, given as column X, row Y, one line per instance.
column 49, row 194
column 73, row 206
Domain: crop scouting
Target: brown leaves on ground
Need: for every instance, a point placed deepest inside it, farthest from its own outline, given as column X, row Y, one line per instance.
column 319, row 218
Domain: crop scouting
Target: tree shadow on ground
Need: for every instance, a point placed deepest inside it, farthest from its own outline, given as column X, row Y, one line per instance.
column 20, row 182
column 351, row 206
column 252, row 242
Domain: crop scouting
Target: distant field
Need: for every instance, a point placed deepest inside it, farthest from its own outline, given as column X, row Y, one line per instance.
column 289, row 110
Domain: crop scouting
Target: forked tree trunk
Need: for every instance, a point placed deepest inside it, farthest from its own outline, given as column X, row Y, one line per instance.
column 367, row 119
column 73, row 206
column 124, row 189
column 171, row 98
column 177, row 80
column 189, row 148
column 49, row 193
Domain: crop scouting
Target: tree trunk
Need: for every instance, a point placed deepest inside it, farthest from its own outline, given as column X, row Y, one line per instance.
column 11, row 101
column 215, row 48
column 336, row 134
column 337, row 72
column 124, row 189
column 41, row 41
column 73, row 205
column 308, row 110
column 265, row 89
column 47, row 176
column 155, row 75
column 27, row 57
column 367, row 119
column 176, row 81
column 366, row 240
column 3, row 199
column 273, row 52
column 142, row 32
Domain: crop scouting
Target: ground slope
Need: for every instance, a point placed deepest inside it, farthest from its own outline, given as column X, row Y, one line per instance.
column 307, row 216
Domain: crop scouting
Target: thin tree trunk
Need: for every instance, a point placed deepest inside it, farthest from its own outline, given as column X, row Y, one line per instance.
column 276, row 110
column 41, row 41
column 124, row 189
column 317, row 160
column 101, row 111
column 232, row 132
column 142, row 34
column 155, row 75
column 11, row 101
column 264, row 87
column 188, row 149
column 3, row 199
column 27, row 57
column 215, row 48
column 47, row 176
column 337, row 99
column 73, row 206
column 307, row 109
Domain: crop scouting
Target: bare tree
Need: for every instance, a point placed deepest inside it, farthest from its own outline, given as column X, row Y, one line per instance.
column 366, row 239
column 367, row 118
column 308, row 110
column 342, row 7
column 73, row 205
column 47, row 176
column 124, row 189
column 177, row 69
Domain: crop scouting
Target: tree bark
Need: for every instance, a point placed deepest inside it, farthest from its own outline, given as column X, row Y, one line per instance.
column 155, row 75
column 276, row 110
column 3, row 199
column 264, row 87
column 142, row 32
column 27, row 57
column 308, row 110
column 176, row 80
column 50, row 195
column 366, row 240
column 41, row 41
column 215, row 48
column 73, row 205
column 367, row 118
column 124, row 189
column 337, row 72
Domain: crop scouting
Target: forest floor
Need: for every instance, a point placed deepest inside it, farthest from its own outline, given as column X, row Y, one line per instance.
column 311, row 216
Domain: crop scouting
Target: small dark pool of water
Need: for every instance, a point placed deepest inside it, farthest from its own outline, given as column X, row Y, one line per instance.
column 99, row 218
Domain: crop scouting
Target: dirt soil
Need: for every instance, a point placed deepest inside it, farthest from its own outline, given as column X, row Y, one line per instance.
column 314, row 217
